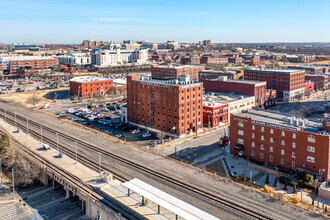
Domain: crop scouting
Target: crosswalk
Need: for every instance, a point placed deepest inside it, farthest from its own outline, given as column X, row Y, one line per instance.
column 8, row 211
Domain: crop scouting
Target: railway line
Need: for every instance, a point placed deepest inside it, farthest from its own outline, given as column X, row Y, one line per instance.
column 87, row 161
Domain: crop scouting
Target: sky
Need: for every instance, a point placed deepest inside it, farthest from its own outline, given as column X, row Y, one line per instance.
column 229, row 21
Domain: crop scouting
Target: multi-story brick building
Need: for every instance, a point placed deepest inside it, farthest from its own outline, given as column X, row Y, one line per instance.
column 208, row 59
column 214, row 114
column 194, row 60
column 170, row 106
column 89, row 86
column 173, row 72
column 243, row 87
column 281, row 140
column 289, row 84
column 213, row 74
column 235, row 60
column 309, row 87
column 320, row 81
column 311, row 69
column 16, row 64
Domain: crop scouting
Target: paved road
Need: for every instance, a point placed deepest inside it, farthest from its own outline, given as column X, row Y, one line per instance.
column 215, row 185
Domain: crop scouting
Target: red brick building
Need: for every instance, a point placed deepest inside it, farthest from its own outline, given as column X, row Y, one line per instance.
column 89, row 86
column 195, row 60
column 320, row 81
column 171, row 106
column 288, row 143
column 235, row 60
column 311, row 69
column 289, row 84
column 17, row 64
column 215, row 114
column 244, row 87
column 173, row 72
column 254, row 61
column 309, row 87
column 205, row 59
column 213, row 74
column 1, row 67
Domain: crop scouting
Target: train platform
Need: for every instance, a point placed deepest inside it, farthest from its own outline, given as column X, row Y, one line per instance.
column 114, row 189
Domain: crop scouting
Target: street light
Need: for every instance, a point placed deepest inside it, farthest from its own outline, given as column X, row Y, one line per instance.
column 12, row 171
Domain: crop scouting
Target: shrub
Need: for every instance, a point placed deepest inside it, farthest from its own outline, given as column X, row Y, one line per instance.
column 295, row 200
column 268, row 189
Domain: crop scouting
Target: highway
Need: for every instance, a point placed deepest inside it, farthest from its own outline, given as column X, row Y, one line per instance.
column 215, row 199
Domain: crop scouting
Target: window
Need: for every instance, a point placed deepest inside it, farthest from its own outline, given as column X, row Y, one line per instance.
column 282, row 152
column 283, row 142
column 311, row 139
column 282, row 161
column 240, row 132
column 311, row 149
column 241, row 124
column 252, row 153
column 262, row 137
column 294, row 135
column 253, row 127
column 252, row 144
column 283, row 133
column 293, row 164
column 293, row 154
column 271, row 140
column 310, row 159
column 262, row 129
column 271, row 158
column 271, row 149
column 252, row 135
column 272, row 131
column 262, row 155
column 262, row 147
column 240, row 141
column 293, row 145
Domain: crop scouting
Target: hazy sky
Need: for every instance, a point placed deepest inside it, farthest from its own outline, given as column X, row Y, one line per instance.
column 71, row 21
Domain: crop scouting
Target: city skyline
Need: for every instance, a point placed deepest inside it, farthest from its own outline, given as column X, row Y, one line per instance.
column 157, row 21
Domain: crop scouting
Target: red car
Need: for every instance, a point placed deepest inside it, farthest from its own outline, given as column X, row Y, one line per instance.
column 224, row 141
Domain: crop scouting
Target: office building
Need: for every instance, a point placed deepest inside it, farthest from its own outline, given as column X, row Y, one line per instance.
column 288, row 83
column 284, row 141
column 75, row 60
column 89, row 86
column 173, row 72
column 170, row 106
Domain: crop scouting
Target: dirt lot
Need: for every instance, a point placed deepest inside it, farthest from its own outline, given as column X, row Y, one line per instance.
column 22, row 97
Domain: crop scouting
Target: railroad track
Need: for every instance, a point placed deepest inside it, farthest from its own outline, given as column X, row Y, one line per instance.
column 140, row 167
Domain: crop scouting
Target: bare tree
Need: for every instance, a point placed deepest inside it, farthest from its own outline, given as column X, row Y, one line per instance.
column 33, row 99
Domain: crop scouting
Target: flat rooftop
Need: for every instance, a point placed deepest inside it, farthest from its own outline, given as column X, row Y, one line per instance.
column 277, row 118
column 240, row 81
column 306, row 66
column 166, row 82
column 178, row 67
column 279, row 71
column 84, row 79
column 214, row 99
column 25, row 58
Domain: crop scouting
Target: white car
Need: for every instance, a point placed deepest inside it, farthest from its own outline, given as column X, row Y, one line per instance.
column 136, row 131
column 118, row 135
column 146, row 135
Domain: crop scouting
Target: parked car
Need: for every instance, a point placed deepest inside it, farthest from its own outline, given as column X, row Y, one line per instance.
column 118, row 135
column 146, row 135
column 136, row 131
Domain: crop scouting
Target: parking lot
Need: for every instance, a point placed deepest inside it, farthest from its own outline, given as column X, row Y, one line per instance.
column 107, row 119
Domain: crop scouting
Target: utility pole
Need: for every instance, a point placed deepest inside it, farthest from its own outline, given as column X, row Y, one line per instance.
column 41, row 133
column 12, row 170
column 15, row 122
column 27, row 127
column 57, row 142
column 1, row 171
column 100, row 167
column 76, row 152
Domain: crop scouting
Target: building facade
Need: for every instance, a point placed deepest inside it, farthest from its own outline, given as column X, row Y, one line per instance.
column 173, row 72
column 205, row 59
column 213, row 74
column 16, row 64
column 279, row 140
column 89, row 86
column 289, row 84
column 320, row 81
column 115, row 57
column 173, row 107
column 311, row 69
column 75, row 60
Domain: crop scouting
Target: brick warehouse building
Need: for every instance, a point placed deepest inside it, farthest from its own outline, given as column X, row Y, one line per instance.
column 18, row 64
column 171, row 106
column 288, row 83
column 244, row 87
column 89, row 86
column 279, row 140
column 213, row 74
column 173, row 72
column 320, row 81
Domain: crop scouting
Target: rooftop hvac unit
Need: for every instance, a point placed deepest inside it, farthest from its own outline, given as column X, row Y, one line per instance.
column 290, row 120
column 295, row 122
column 301, row 123
column 285, row 118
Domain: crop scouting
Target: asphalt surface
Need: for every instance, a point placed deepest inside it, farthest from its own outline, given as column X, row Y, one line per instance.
column 250, row 199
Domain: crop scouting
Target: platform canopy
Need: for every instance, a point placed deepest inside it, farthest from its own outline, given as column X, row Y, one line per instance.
column 167, row 201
